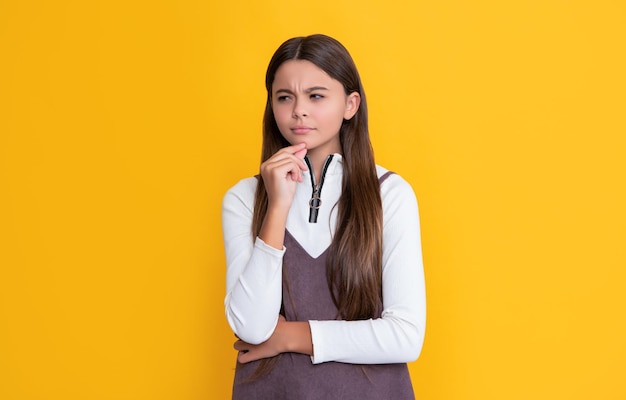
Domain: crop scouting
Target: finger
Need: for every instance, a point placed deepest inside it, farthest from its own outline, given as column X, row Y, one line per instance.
column 298, row 150
column 244, row 357
column 294, row 148
column 282, row 156
column 300, row 153
column 240, row 345
column 281, row 169
column 284, row 168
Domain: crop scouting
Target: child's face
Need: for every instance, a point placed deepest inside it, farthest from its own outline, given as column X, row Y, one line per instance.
column 309, row 106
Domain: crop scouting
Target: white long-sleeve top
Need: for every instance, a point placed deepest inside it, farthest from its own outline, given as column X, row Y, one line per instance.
column 254, row 272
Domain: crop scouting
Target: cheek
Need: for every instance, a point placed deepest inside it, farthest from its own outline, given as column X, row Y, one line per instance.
column 283, row 120
column 277, row 118
column 334, row 116
column 279, row 115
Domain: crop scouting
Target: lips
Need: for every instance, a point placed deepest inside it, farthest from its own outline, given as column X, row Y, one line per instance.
column 301, row 130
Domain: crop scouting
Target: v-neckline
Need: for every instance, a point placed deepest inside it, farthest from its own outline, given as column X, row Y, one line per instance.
column 293, row 239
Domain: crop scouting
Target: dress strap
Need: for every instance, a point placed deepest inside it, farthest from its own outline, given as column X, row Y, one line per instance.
column 385, row 176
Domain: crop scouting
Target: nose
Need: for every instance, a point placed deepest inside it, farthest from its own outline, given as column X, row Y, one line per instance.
column 299, row 110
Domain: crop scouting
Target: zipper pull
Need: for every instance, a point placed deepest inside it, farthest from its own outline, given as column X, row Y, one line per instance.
column 316, row 201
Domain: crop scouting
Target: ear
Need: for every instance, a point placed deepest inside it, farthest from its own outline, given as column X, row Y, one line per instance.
column 353, row 101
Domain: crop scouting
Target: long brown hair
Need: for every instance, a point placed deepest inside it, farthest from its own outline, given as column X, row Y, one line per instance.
column 354, row 263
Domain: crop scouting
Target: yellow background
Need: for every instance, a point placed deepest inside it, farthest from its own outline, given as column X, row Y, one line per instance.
column 123, row 123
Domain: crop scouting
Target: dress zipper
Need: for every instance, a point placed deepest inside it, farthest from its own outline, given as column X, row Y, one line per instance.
column 316, row 201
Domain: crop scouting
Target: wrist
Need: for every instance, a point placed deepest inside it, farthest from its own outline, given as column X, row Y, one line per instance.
column 277, row 210
column 279, row 206
column 298, row 338
column 273, row 228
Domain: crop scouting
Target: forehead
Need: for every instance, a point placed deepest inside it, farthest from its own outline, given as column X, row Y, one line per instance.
column 302, row 74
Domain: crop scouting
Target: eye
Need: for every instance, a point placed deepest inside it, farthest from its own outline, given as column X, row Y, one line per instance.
column 281, row 99
column 316, row 96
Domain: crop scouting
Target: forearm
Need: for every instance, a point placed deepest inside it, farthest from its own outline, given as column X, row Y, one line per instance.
column 298, row 337
column 380, row 341
column 254, row 295
column 253, row 304
column 288, row 337
column 273, row 228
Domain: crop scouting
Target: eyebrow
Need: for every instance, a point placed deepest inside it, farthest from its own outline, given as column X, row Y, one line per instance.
column 309, row 90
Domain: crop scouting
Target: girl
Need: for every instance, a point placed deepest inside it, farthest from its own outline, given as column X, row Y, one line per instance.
column 325, row 284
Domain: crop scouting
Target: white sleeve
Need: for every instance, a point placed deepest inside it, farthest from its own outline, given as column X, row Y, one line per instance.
column 399, row 334
column 254, row 269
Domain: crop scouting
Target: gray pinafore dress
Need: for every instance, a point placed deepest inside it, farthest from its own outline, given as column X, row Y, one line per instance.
column 306, row 296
